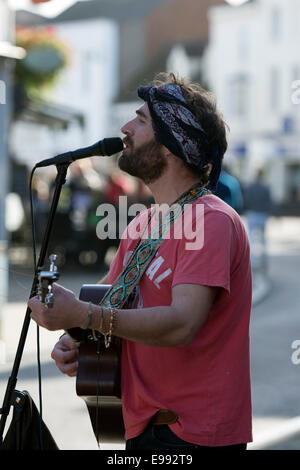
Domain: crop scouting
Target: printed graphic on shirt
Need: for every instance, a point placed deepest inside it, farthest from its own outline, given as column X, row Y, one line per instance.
column 135, row 300
column 154, row 267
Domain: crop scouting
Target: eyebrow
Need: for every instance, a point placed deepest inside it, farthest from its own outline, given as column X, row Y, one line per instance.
column 142, row 114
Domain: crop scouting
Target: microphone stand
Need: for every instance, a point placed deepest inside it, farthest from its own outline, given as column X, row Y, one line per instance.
column 13, row 397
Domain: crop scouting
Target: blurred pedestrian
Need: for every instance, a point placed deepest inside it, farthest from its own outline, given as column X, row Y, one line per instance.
column 258, row 206
column 229, row 190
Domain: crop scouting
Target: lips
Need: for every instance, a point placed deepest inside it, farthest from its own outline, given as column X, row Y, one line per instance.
column 127, row 144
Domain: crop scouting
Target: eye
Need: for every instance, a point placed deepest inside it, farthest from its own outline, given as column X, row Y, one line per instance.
column 141, row 118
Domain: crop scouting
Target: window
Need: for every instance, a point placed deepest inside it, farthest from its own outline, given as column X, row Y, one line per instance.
column 243, row 44
column 293, row 182
column 295, row 87
column 238, row 96
column 2, row 92
column 275, row 23
column 86, row 70
column 274, row 89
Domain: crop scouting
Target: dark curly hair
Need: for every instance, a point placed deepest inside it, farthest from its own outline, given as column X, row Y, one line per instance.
column 203, row 105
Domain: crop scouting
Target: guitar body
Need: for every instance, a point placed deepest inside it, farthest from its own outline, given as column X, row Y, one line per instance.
column 98, row 375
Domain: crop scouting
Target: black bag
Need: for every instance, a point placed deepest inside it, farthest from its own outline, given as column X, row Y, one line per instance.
column 27, row 431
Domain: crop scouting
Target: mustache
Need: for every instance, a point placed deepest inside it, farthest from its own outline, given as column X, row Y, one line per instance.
column 127, row 140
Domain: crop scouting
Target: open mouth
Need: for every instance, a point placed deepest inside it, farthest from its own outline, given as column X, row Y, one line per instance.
column 127, row 145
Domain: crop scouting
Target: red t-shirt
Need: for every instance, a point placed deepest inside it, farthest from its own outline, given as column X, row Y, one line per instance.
column 207, row 383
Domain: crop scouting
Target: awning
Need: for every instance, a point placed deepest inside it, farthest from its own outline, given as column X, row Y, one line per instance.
column 42, row 112
column 9, row 51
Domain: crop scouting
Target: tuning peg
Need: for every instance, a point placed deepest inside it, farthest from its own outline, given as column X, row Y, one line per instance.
column 49, row 300
column 52, row 259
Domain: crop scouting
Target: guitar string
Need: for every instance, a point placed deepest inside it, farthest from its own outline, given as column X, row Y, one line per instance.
column 98, row 392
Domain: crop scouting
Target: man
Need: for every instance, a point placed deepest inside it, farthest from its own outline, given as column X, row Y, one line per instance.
column 185, row 334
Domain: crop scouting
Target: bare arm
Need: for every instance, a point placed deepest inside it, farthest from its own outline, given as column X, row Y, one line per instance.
column 172, row 325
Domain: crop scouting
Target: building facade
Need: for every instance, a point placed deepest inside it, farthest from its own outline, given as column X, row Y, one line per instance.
column 8, row 54
column 253, row 67
column 112, row 50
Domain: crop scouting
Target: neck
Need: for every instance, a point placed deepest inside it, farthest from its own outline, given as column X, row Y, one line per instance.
column 170, row 187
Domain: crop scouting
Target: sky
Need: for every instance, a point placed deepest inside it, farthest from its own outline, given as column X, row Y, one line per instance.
column 50, row 9
column 55, row 7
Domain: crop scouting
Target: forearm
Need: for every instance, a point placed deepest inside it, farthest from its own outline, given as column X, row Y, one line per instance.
column 172, row 325
column 156, row 326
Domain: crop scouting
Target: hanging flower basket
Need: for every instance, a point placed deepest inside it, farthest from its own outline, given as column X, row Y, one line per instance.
column 46, row 56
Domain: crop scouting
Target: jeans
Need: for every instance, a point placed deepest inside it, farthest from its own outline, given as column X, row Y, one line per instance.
column 161, row 437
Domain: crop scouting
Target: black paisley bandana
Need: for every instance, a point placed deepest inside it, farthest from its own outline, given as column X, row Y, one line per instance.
column 176, row 127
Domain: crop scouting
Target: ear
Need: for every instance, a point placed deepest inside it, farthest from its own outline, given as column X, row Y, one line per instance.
column 208, row 168
column 165, row 151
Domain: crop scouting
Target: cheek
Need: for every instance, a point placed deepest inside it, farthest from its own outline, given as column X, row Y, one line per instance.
column 144, row 132
column 150, row 135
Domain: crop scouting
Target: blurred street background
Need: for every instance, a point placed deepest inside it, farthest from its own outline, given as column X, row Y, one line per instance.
column 69, row 71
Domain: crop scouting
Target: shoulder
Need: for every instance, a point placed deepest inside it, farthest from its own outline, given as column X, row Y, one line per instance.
column 220, row 216
column 217, row 208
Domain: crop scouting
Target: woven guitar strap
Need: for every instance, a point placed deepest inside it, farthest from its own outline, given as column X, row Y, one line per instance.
column 145, row 251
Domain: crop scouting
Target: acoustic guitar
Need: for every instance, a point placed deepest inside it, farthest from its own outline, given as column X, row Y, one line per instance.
column 98, row 375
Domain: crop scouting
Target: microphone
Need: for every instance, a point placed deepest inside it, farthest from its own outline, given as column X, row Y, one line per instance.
column 103, row 148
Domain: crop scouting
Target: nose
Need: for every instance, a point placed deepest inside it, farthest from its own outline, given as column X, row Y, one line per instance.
column 127, row 128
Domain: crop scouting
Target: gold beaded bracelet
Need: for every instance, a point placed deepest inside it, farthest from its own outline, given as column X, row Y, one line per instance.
column 100, row 325
column 112, row 322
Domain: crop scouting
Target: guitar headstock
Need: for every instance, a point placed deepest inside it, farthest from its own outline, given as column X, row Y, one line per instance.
column 46, row 279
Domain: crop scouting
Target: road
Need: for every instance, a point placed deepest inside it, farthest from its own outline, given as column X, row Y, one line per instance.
column 275, row 325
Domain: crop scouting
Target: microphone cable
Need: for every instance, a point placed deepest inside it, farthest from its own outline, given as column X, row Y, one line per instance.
column 33, row 231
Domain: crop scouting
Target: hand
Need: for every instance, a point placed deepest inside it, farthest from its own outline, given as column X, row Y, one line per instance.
column 65, row 355
column 67, row 311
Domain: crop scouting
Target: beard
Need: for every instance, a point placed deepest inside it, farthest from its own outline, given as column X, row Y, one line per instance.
column 146, row 162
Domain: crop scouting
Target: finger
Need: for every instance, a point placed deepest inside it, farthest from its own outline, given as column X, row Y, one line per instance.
column 64, row 356
column 34, row 302
column 69, row 369
column 34, row 297
column 37, row 319
column 38, row 310
column 66, row 342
